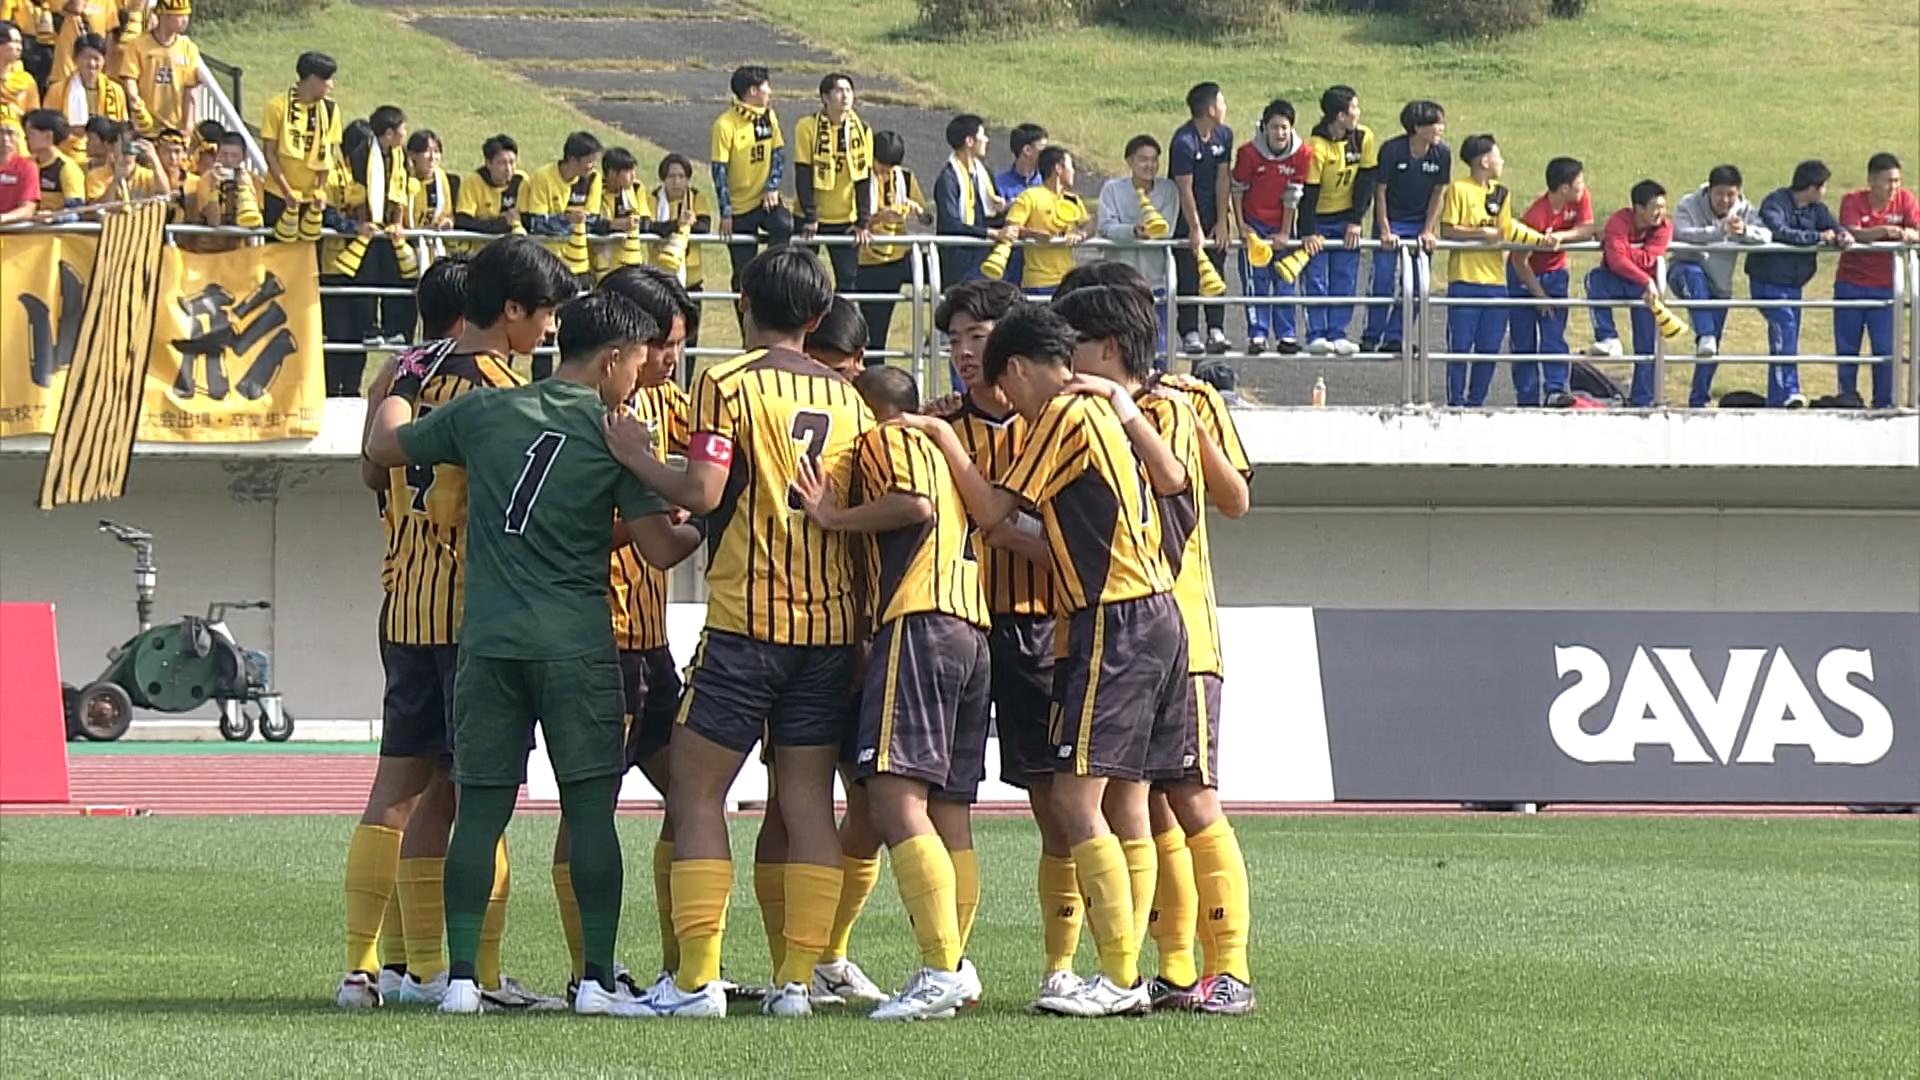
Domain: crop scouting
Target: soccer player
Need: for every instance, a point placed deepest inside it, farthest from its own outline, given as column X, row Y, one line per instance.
column 897, row 202
column 1269, row 177
column 63, row 181
column 964, row 199
column 488, row 200
column 1796, row 215
column 1339, row 192
column 563, row 199
column 1200, row 163
column 513, row 289
column 1565, row 212
column 1631, row 247
column 535, row 638
column 1415, row 169
column 300, row 138
column 1882, row 211
column 749, row 161
column 840, row 341
column 777, row 655
column 1125, row 647
column 1026, row 142
column 1051, row 213
column 161, row 69
column 833, row 177
column 1478, row 207
column 1715, row 213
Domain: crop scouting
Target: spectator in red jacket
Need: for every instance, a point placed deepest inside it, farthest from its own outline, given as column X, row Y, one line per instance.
column 19, row 179
column 1882, row 211
column 1631, row 248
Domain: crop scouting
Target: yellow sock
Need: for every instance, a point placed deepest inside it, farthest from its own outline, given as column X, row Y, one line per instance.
column 813, row 896
column 1143, row 873
column 663, row 899
column 393, row 928
column 1220, row 874
column 926, row 875
column 1060, row 911
column 570, row 918
column 701, row 889
column 486, row 963
column 858, row 877
column 373, row 861
column 1176, row 907
column 966, row 892
column 423, row 904
column 770, row 893
column 1101, row 866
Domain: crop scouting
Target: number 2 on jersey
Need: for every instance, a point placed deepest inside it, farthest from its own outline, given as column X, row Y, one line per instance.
column 809, row 429
column 541, row 454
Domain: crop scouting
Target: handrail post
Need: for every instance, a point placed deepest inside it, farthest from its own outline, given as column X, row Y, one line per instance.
column 1405, row 300
column 1913, row 328
column 916, row 346
column 1659, row 339
column 1172, row 305
column 1423, row 368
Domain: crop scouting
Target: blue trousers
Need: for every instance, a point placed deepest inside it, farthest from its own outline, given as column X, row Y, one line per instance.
column 1383, row 320
column 1604, row 284
column 1333, row 272
column 1689, row 282
column 1537, row 331
column 1271, row 321
column 1477, row 329
column 1783, row 339
column 1878, row 325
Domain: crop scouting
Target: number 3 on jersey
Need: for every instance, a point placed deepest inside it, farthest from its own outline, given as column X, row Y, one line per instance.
column 541, row 454
column 809, row 428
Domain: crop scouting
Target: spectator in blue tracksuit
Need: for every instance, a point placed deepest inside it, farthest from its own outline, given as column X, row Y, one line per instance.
column 1415, row 169
column 1333, row 208
column 1716, row 213
column 1026, row 142
column 964, row 203
column 1796, row 215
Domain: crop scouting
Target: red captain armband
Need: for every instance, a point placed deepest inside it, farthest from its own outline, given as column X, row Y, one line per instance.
column 710, row 448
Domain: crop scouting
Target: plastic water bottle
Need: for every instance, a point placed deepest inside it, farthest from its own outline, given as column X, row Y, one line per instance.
column 1320, row 392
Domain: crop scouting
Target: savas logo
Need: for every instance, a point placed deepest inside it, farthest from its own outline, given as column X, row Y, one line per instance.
column 1703, row 726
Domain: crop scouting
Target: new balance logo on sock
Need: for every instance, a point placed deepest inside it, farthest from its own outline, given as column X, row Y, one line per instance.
column 1216, row 914
column 1065, row 913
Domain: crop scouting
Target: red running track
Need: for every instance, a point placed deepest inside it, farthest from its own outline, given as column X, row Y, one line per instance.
column 337, row 784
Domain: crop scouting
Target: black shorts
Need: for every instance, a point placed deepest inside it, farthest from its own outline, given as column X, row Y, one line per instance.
column 1021, row 647
column 652, row 683
column 416, row 712
column 740, row 691
column 925, row 706
column 1198, row 737
column 1117, row 697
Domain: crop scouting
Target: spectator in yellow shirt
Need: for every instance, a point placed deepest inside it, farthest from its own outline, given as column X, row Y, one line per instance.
column 1479, row 209
column 161, row 68
column 1052, row 214
column 620, row 213
column 488, row 199
column 79, row 19
column 120, row 169
column 897, row 202
column 748, row 156
column 300, row 137
column 63, row 186
column 563, row 198
column 19, row 92
column 677, row 204
column 833, row 176
column 87, row 94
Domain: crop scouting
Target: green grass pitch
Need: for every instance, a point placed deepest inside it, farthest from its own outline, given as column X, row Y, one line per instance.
column 1384, row 946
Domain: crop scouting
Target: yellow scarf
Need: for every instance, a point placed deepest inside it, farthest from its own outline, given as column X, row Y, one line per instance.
column 969, row 176
column 112, row 102
column 848, row 138
column 761, row 117
column 312, row 131
column 668, row 211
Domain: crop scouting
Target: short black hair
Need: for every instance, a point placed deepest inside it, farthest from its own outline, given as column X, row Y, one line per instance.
column 499, row 144
column 90, row 41
column 1336, row 100
column 1724, row 176
column 315, row 65
column 51, row 121
column 442, row 296
column 786, row 288
column 515, row 269
column 746, row 77
column 889, row 390
column 961, row 128
column 1476, row 147
column 668, row 162
column 424, row 140
column 1032, row 332
column 1646, row 191
column 1419, row 114
column 1881, row 162
column 1135, row 144
column 1103, row 272
column 105, row 128
column 981, row 300
column 1118, row 313
column 843, row 331
column 828, row 80
column 1049, row 160
column 1562, row 171
column 595, row 321
column 211, row 130
column 619, row 159
column 889, row 148
column 1023, row 136
column 231, row 138
column 659, row 294
column 1278, row 107
column 578, row 145
column 385, row 119
column 1810, row 174
column 1201, row 98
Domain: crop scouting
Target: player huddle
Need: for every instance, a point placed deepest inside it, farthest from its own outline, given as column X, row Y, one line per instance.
column 887, row 581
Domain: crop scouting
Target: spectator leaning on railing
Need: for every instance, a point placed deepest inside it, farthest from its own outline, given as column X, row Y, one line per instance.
column 1564, row 213
column 1631, row 247
column 488, row 200
column 1200, row 163
column 1346, row 163
column 1269, row 179
column 1121, row 215
column 1715, row 213
column 1415, row 169
column 963, row 198
column 120, row 168
column 1883, row 211
column 300, row 137
column 1479, row 208
column 833, row 176
column 1053, row 215
column 897, row 202
column 63, row 182
column 748, row 156
column 1025, row 142
column 1796, row 215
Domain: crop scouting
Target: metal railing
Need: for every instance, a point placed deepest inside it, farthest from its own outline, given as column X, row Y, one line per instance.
column 1422, row 306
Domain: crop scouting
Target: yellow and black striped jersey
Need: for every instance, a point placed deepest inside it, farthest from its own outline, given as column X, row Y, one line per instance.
column 428, row 503
column 774, row 575
column 639, row 593
column 1015, row 584
column 928, row 567
column 1183, row 531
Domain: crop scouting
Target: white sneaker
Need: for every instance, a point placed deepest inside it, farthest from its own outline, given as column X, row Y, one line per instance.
column 358, row 990
column 415, row 992
column 1707, row 347
column 970, row 975
column 930, row 994
column 1099, row 996
column 1795, row 401
column 667, row 999
column 593, row 1000
column 790, row 1000
column 513, row 997
column 462, row 996
column 1607, row 348
column 1343, row 347
column 1320, row 347
column 840, row 981
column 1056, row 984
column 390, row 983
